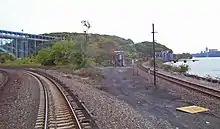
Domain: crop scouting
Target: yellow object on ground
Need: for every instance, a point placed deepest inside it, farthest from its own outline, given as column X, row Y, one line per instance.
column 192, row 109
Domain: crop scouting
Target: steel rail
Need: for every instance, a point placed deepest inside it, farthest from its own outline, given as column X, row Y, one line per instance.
column 45, row 98
column 80, row 115
column 76, row 112
column 5, row 80
column 71, row 108
column 184, row 83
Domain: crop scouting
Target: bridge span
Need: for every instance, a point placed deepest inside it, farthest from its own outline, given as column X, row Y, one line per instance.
column 23, row 44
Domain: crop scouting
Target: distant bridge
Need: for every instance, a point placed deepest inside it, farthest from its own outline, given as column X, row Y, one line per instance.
column 23, row 44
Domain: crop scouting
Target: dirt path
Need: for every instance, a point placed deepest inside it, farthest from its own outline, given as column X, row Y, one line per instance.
column 159, row 103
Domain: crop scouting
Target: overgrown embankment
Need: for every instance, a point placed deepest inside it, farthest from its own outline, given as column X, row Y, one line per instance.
column 76, row 54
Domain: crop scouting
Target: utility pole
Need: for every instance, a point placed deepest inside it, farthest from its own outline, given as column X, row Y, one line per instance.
column 153, row 32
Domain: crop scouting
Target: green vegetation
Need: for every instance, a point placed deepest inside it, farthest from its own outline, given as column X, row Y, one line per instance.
column 132, row 50
column 167, row 67
column 62, row 53
column 5, row 57
column 101, row 44
column 182, row 68
column 183, row 56
column 159, row 63
column 145, row 48
column 98, row 51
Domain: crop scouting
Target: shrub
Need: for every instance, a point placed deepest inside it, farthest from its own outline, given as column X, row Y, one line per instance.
column 48, row 62
column 62, row 53
column 43, row 55
column 182, row 68
column 158, row 63
column 167, row 67
column 5, row 57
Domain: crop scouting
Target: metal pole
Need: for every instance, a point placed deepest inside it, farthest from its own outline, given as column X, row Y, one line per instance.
column 16, row 47
column 12, row 46
column 154, row 55
column 28, row 48
column 42, row 44
column 132, row 62
column 35, row 46
column 23, row 48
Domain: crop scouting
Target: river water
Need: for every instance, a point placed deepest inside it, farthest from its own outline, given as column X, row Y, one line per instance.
column 204, row 66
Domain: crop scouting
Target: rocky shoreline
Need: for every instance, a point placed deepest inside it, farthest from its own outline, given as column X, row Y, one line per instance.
column 208, row 79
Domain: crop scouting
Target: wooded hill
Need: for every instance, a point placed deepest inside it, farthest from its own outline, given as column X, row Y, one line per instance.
column 106, row 43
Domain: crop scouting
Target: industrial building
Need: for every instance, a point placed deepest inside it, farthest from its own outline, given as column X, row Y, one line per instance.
column 164, row 55
column 208, row 53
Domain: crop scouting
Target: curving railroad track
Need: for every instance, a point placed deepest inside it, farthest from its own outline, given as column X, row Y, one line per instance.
column 5, row 78
column 190, row 85
column 59, row 107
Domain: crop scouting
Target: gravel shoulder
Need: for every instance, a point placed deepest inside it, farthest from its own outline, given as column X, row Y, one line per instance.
column 109, row 112
column 19, row 100
column 185, row 97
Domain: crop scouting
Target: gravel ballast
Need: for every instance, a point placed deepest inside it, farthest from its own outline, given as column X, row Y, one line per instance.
column 188, row 98
column 127, row 101
column 19, row 101
column 187, row 95
column 108, row 111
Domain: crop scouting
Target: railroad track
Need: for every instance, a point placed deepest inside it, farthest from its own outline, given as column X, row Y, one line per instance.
column 190, row 85
column 59, row 107
column 5, row 80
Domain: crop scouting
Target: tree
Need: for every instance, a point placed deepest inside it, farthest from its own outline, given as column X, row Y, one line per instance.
column 145, row 48
column 44, row 57
column 101, row 46
column 61, row 52
column 183, row 56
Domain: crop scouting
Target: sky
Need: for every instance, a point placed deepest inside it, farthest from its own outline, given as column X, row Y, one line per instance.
column 182, row 25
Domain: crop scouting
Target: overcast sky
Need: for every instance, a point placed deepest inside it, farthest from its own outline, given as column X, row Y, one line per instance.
column 182, row 25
